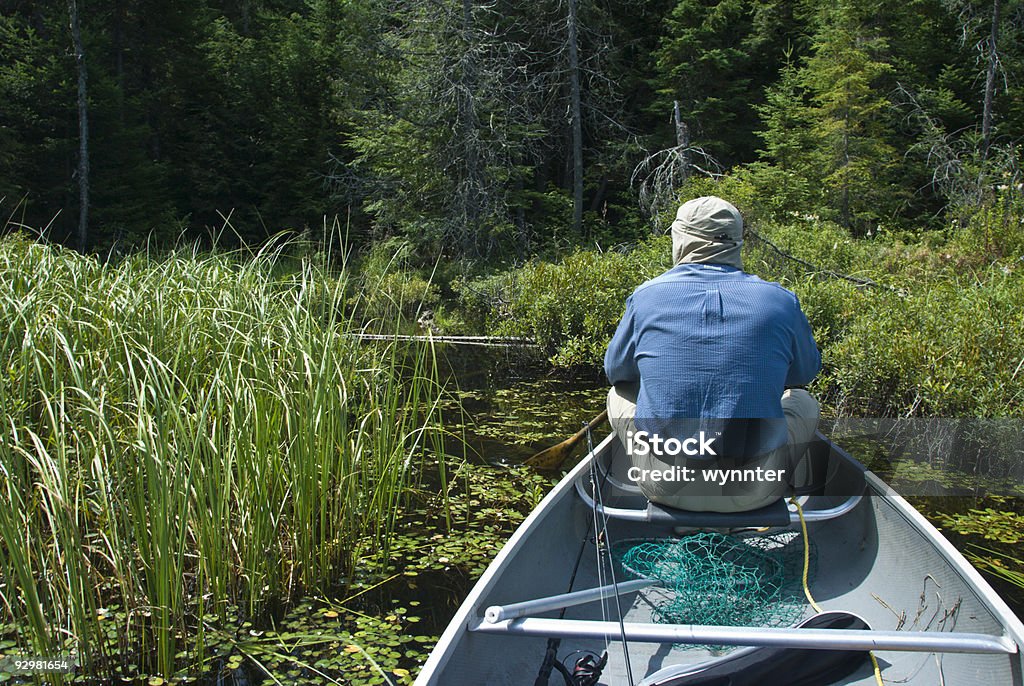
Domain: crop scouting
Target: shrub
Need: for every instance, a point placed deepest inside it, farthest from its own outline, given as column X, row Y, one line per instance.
column 571, row 308
column 996, row 230
column 930, row 339
column 392, row 291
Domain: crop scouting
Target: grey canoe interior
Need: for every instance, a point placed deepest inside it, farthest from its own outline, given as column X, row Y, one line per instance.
column 876, row 557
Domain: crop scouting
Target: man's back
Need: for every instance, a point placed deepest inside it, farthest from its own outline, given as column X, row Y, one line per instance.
column 713, row 342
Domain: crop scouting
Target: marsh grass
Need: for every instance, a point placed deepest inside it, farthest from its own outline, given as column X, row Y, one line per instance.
column 184, row 435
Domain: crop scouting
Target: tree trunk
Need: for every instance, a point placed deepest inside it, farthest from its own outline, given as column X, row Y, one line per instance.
column 246, row 12
column 577, row 124
column 469, row 136
column 682, row 138
column 598, row 200
column 119, row 50
column 83, row 130
column 990, row 81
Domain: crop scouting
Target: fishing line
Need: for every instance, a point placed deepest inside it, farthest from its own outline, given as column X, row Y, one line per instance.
column 597, row 546
column 551, row 653
column 599, row 503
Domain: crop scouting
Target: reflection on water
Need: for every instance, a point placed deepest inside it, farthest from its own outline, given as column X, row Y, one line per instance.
column 938, row 456
column 508, row 405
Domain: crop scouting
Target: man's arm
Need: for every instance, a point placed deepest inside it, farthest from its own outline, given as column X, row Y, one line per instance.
column 620, row 358
column 806, row 358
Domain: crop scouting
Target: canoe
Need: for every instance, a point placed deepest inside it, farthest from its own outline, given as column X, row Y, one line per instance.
column 897, row 587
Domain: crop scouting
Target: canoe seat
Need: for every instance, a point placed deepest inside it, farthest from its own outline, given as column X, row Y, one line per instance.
column 834, row 487
column 776, row 514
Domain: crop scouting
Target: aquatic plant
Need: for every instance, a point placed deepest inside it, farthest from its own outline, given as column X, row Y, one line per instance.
column 188, row 437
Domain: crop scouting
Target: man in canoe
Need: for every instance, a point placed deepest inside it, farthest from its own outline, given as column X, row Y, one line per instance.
column 703, row 367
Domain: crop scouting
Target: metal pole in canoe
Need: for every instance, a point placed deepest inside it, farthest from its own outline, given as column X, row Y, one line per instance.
column 497, row 613
column 816, row 639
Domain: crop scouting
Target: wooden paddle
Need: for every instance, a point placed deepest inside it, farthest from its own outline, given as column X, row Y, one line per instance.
column 550, row 458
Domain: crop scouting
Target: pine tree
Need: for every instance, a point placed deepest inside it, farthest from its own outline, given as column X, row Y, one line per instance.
column 788, row 184
column 716, row 58
column 829, row 121
column 850, row 118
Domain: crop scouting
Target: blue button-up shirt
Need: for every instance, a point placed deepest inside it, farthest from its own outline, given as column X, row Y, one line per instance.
column 707, row 341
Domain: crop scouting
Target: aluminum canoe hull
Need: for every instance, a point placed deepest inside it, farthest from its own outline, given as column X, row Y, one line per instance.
column 880, row 560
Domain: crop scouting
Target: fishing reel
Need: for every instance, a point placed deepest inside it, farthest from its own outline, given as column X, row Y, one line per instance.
column 586, row 671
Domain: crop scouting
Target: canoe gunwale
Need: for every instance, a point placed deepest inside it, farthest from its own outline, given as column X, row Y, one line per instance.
column 465, row 615
column 972, row 578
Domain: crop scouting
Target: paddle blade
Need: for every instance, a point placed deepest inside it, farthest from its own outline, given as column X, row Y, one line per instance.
column 551, row 458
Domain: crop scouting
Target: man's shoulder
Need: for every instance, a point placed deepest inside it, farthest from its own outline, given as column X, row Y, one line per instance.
column 757, row 281
column 702, row 275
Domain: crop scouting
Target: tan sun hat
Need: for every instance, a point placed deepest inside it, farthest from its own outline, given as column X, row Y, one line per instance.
column 708, row 230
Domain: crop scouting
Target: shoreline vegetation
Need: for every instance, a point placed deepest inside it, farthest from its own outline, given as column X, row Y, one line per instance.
column 192, row 443
column 909, row 325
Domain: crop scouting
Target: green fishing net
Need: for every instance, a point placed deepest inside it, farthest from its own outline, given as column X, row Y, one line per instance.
column 720, row 580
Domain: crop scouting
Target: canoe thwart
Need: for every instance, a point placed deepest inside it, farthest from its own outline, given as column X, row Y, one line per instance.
column 775, row 514
column 497, row 613
column 815, row 639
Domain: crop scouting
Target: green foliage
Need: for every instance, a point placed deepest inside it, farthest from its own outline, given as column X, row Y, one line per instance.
column 449, row 127
column 786, row 183
column 988, row 533
column 841, row 158
column 998, row 563
column 38, row 107
column 482, row 299
column 932, row 339
column 993, row 525
column 571, row 308
column 995, row 230
column 738, row 187
column 716, row 58
column 940, row 341
column 189, row 434
column 393, row 292
column 951, row 350
column 447, row 155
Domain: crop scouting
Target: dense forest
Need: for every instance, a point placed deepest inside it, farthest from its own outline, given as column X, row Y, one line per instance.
column 496, row 131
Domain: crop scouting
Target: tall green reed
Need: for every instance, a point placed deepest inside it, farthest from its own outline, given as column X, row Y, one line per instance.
column 184, row 435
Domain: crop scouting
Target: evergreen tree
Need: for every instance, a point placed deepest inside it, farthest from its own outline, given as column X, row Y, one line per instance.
column 837, row 101
column 789, row 183
column 446, row 150
column 716, row 58
column 38, row 119
column 850, row 118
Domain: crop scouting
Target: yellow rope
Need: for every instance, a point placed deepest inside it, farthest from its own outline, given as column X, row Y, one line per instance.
column 807, row 587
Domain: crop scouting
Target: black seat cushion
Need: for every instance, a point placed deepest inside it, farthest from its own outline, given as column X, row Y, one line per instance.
column 769, row 665
column 776, row 514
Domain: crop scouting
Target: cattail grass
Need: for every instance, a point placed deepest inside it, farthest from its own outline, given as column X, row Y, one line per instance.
column 184, row 435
